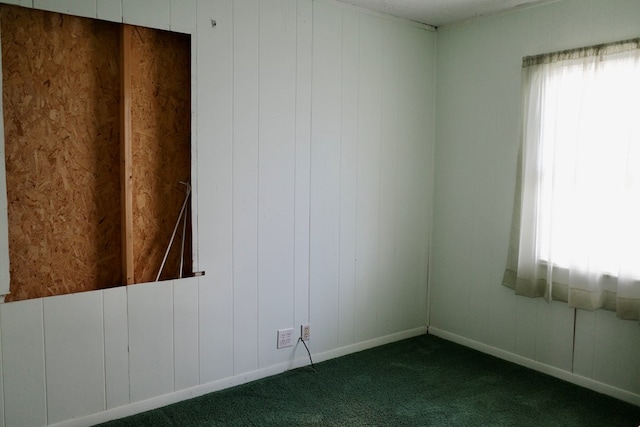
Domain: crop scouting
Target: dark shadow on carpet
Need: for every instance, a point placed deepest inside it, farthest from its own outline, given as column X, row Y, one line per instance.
column 422, row 381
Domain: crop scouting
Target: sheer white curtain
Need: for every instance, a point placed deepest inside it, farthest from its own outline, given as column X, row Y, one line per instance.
column 576, row 225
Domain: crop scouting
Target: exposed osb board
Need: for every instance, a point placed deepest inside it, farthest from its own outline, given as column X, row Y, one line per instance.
column 161, row 123
column 61, row 112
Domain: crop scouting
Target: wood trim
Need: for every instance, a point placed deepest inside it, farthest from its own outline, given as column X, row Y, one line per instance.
column 126, row 156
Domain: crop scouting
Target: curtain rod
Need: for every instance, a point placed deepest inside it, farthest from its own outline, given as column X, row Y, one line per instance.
column 581, row 52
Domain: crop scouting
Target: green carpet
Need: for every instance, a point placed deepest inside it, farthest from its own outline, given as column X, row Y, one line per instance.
column 421, row 381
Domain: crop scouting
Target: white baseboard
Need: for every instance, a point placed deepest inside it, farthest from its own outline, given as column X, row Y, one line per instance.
column 585, row 382
column 178, row 396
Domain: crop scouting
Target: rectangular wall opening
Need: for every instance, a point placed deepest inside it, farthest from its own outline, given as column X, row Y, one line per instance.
column 62, row 87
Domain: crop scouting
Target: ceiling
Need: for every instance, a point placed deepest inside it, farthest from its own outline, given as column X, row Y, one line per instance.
column 442, row 12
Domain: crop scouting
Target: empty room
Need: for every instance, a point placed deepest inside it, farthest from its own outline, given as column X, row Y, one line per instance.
column 204, row 196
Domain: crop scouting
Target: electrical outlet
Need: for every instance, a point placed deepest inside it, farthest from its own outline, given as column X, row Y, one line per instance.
column 305, row 331
column 285, row 338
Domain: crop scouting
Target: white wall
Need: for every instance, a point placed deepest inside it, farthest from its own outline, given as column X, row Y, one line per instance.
column 478, row 100
column 314, row 129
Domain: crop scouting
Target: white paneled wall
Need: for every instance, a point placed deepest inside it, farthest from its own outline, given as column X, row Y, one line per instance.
column 24, row 383
column 116, row 347
column 74, row 355
column 151, row 357
column 313, row 131
column 477, row 144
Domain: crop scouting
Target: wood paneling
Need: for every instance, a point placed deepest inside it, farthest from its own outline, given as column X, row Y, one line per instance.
column 215, row 160
column 151, row 358
column 109, row 10
column 324, row 248
column 368, row 175
column 147, row 13
column 245, row 183
column 116, row 346
column 86, row 8
column 304, row 58
column 74, row 355
column 348, row 174
column 25, row 395
column 185, row 333
column 276, row 174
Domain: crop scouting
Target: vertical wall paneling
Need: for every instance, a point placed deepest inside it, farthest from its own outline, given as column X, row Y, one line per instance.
column 151, row 364
column 368, row 175
column 277, row 96
column 86, row 8
column 616, row 351
column 554, row 334
column 477, row 144
column 4, row 224
column 109, row 10
column 390, row 288
column 23, row 363
column 215, row 225
column 1, row 385
column 147, row 13
column 74, row 355
column 25, row 3
column 116, row 346
column 185, row 333
column 304, row 57
column 245, row 184
column 415, row 171
column 325, row 174
column 194, row 155
column 348, row 175
column 183, row 16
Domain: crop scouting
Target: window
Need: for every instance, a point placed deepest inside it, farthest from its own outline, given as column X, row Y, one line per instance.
column 576, row 234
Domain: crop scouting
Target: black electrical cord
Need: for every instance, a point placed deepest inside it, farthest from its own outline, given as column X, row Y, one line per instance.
column 313, row 367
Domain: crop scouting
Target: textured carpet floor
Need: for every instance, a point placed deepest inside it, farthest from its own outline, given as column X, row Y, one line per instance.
column 423, row 381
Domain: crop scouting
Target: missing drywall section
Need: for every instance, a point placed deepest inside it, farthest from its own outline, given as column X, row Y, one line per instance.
column 161, row 127
column 61, row 106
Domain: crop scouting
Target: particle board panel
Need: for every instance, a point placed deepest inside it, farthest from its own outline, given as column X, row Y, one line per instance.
column 245, row 184
column 368, row 175
column 22, row 333
column 304, row 57
column 86, row 8
column 325, row 174
column 151, row 346
column 183, row 16
column 161, row 149
column 185, row 333
column 60, row 102
column 215, row 132
column 74, row 355
column 277, row 95
column 109, row 10
column 116, row 346
column 147, row 13
column 348, row 175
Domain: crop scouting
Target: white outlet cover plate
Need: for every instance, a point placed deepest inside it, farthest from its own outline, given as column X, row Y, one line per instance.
column 306, row 326
column 285, row 338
